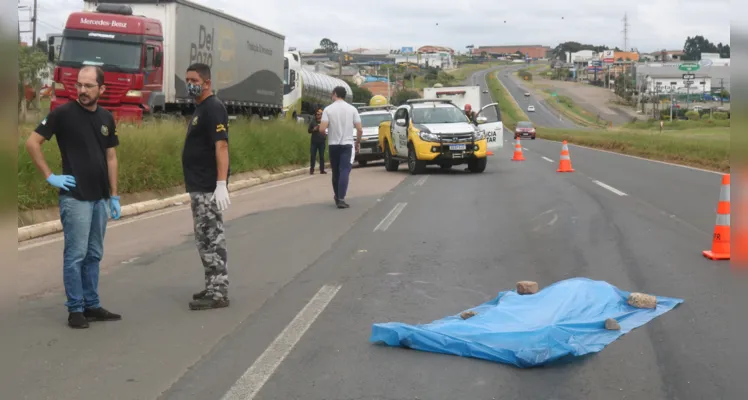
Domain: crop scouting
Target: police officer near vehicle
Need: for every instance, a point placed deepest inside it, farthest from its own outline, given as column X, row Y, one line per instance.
column 205, row 163
column 469, row 113
column 317, row 143
column 86, row 136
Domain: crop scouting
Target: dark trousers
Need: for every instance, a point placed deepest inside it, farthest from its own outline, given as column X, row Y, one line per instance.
column 318, row 147
column 340, row 161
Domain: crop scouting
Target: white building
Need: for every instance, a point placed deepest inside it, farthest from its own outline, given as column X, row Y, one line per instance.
column 438, row 60
column 582, row 56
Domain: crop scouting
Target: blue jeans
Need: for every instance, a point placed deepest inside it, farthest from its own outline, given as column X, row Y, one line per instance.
column 340, row 162
column 84, row 226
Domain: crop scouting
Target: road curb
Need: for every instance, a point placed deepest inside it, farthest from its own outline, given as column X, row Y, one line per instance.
column 47, row 228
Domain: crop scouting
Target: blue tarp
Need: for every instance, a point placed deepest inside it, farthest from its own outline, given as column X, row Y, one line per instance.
column 566, row 318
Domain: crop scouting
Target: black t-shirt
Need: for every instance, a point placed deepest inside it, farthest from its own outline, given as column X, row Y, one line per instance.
column 83, row 137
column 209, row 124
column 317, row 137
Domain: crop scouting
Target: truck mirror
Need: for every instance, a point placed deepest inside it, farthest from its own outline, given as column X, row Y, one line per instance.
column 51, row 54
column 158, row 59
column 400, row 122
column 481, row 120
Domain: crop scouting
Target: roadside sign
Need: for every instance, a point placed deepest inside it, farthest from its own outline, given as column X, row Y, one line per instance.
column 689, row 67
column 597, row 63
column 554, row 94
column 689, row 77
column 688, row 83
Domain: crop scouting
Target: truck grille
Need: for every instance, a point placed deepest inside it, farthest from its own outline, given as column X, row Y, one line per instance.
column 112, row 95
column 458, row 138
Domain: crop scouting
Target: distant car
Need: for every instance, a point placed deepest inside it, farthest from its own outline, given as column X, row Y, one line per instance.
column 531, row 108
column 485, row 90
column 524, row 129
column 527, row 94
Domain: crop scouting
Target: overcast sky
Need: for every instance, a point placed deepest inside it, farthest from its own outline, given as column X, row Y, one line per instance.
column 653, row 24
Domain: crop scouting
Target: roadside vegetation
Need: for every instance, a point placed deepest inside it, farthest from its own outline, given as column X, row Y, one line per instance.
column 150, row 156
column 566, row 106
column 701, row 147
column 511, row 113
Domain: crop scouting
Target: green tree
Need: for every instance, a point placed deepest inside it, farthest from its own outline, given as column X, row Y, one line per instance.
column 31, row 62
column 401, row 96
column 696, row 45
column 328, row 45
column 360, row 94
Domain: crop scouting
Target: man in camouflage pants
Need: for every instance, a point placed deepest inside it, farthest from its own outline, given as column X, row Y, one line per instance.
column 205, row 161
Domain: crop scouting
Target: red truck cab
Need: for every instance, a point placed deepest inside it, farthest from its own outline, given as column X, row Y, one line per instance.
column 129, row 48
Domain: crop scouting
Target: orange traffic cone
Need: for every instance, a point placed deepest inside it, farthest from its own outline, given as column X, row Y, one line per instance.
column 721, row 240
column 564, row 164
column 489, row 152
column 518, row 156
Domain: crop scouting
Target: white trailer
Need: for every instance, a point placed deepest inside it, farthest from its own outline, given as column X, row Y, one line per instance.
column 460, row 95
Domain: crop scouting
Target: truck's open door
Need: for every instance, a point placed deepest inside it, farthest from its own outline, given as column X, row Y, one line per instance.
column 489, row 122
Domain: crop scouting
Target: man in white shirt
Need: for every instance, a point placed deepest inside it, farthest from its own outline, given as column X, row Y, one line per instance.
column 338, row 119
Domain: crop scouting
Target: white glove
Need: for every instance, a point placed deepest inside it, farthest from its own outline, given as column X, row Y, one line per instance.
column 221, row 196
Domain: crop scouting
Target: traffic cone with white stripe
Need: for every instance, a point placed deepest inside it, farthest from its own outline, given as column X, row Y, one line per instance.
column 518, row 156
column 721, row 239
column 564, row 165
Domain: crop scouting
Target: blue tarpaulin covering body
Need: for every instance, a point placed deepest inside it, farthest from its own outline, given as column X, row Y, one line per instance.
column 566, row 318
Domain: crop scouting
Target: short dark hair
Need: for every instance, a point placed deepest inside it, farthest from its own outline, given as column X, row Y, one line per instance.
column 202, row 69
column 99, row 73
column 339, row 92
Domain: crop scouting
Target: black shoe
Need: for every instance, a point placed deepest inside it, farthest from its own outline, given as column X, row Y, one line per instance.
column 311, row 172
column 342, row 204
column 199, row 295
column 100, row 314
column 207, row 303
column 323, row 172
column 76, row 320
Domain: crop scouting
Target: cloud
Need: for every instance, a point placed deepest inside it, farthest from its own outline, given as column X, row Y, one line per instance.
column 653, row 24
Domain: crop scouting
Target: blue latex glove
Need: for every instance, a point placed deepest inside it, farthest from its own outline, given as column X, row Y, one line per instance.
column 114, row 208
column 64, row 182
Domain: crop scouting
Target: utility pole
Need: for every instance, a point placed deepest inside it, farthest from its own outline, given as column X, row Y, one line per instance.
column 625, row 32
column 721, row 89
column 33, row 21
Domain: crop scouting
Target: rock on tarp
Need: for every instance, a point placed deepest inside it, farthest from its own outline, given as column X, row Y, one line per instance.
column 566, row 318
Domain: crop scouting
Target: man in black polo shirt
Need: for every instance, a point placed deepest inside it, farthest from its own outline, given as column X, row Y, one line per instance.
column 205, row 161
column 86, row 135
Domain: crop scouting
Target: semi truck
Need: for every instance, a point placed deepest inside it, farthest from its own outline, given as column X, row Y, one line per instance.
column 146, row 46
column 306, row 91
column 460, row 95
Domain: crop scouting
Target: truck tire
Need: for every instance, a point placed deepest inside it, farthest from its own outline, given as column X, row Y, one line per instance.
column 477, row 165
column 362, row 163
column 390, row 164
column 415, row 166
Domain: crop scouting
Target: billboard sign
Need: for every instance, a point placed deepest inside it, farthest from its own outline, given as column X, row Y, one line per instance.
column 406, row 50
column 609, row 56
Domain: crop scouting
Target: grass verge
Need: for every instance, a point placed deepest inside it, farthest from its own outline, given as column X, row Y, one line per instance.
column 566, row 106
column 150, row 156
column 511, row 113
column 707, row 148
column 678, row 125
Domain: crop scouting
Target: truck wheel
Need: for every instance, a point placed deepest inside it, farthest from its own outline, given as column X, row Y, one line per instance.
column 415, row 166
column 390, row 164
column 477, row 165
column 362, row 163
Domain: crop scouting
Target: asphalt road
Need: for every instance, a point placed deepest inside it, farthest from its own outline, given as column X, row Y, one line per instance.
column 543, row 115
column 308, row 281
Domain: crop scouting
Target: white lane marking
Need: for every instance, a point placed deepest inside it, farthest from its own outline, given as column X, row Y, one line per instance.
column 611, row 188
column 553, row 221
column 547, row 159
column 390, row 218
column 642, row 158
column 247, row 387
column 421, row 181
column 525, row 149
column 156, row 214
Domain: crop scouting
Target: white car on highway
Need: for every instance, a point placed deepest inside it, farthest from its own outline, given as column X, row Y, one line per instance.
column 527, row 94
column 531, row 108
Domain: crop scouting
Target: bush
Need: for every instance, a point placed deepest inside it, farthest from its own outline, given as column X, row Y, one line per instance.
column 693, row 115
column 721, row 116
column 150, row 156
